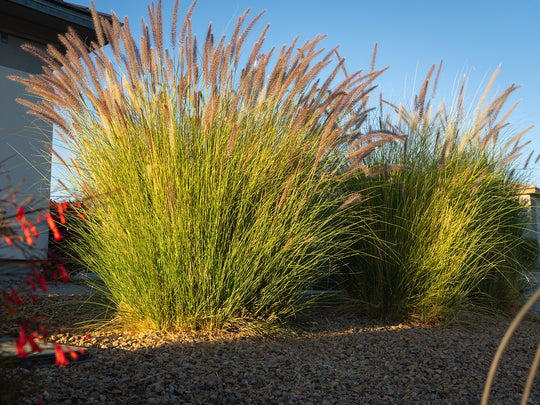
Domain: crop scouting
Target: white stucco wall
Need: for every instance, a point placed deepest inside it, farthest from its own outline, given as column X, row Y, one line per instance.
column 22, row 142
column 532, row 203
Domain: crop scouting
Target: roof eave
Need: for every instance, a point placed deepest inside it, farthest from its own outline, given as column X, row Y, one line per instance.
column 43, row 20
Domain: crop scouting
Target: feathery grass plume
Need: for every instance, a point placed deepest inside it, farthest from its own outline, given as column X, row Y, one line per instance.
column 353, row 199
column 208, row 186
column 452, row 241
column 373, row 58
column 436, row 80
column 420, row 99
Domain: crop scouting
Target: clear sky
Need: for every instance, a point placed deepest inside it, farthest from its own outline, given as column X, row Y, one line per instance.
column 471, row 37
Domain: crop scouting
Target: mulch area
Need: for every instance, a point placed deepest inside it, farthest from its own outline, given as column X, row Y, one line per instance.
column 329, row 357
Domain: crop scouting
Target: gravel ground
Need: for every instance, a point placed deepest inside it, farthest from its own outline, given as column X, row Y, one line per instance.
column 328, row 358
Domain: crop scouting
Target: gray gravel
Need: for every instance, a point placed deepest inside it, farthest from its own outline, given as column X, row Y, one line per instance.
column 331, row 358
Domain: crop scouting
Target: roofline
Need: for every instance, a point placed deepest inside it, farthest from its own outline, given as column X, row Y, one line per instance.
column 530, row 189
column 66, row 11
column 42, row 21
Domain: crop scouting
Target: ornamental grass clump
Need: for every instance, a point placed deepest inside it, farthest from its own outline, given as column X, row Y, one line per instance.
column 206, row 177
column 449, row 230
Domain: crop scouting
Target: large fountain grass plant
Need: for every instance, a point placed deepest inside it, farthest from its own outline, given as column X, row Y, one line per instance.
column 206, row 178
column 449, row 229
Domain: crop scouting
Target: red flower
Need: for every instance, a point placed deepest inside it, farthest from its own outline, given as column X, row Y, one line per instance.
column 86, row 337
column 8, row 240
column 61, row 212
column 20, row 349
column 43, row 284
column 81, row 350
column 60, row 356
column 20, row 214
column 31, row 282
column 33, row 297
column 22, row 335
column 41, row 278
column 52, row 226
column 43, row 331
column 38, row 219
column 26, row 231
column 63, row 272
column 33, row 344
column 33, row 229
column 56, row 235
column 16, row 298
column 72, row 353
column 37, row 274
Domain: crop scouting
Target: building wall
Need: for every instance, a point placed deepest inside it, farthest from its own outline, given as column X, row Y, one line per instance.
column 22, row 139
column 532, row 204
column 535, row 225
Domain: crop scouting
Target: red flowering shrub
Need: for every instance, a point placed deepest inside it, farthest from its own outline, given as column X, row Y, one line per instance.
column 20, row 232
column 65, row 216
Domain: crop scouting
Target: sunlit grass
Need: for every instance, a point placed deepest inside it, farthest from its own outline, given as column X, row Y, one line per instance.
column 448, row 232
column 208, row 182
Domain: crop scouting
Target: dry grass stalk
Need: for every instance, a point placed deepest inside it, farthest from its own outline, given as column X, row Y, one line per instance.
column 502, row 346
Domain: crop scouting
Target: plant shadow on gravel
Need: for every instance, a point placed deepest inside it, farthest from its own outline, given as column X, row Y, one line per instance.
column 329, row 357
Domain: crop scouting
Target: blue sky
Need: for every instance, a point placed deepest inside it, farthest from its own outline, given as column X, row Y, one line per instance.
column 470, row 37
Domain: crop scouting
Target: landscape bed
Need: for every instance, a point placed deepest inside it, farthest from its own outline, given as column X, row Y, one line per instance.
column 215, row 194
column 326, row 356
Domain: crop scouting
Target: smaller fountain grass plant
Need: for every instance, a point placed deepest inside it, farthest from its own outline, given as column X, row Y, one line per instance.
column 207, row 179
column 448, row 232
